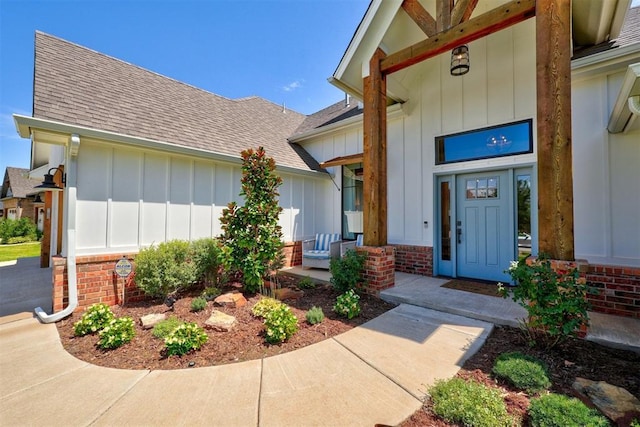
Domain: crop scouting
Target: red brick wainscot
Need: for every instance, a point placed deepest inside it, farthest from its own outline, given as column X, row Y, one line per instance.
column 379, row 268
column 97, row 282
column 616, row 289
column 414, row 259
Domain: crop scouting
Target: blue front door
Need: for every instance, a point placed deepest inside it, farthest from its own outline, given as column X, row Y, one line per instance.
column 484, row 228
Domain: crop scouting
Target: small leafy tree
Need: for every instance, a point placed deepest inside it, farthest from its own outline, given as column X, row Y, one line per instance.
column 555, row 300
column 252, row 231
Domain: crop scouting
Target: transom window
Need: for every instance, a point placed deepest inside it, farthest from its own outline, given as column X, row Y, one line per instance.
column 496, row 141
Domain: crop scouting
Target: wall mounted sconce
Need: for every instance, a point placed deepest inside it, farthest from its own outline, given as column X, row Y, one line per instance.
column 460, row 60
column 49, row 184
column 38, row 199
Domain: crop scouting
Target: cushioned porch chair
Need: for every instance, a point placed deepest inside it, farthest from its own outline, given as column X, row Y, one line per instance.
column 318, row 252
column 352, row 244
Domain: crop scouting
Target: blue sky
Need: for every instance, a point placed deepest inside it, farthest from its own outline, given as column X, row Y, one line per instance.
column 281, row 50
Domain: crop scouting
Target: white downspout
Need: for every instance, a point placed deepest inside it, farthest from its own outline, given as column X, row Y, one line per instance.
column 70, row 211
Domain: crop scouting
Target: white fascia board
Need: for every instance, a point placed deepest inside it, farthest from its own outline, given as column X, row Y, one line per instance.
column 601, row 62
column 58, row 128
column 393, row 111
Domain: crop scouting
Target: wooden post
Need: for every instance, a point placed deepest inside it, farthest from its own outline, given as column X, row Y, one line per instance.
column 555, row 177
column 375, row 154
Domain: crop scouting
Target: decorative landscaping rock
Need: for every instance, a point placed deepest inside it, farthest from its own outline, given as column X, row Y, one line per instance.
column 149, row 321
column 615, row 402
column 220, row 321
column 287, row 293
column 232, row 299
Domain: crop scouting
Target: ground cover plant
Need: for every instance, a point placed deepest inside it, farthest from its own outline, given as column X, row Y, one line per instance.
column 315, row 315
column 95, row 318
column 348, row 304
column 185, row 338
column 560, row 410
column 522, row 371
column 117, row 332
column 280, row 324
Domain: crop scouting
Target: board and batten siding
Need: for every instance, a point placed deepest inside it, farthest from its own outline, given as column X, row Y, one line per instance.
column 606, row 176
column 500, row 88
column 128, row 199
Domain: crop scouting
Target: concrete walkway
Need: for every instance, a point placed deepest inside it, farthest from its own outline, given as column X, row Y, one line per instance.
column 376, row 373
column 24, row 286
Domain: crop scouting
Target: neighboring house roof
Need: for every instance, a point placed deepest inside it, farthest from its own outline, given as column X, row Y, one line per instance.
column 332, row 114
column 79, row 86
column 629, row 34
column 17, row 184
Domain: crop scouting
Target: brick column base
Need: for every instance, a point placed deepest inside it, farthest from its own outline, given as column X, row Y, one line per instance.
column 379, row 268
column 292, row 253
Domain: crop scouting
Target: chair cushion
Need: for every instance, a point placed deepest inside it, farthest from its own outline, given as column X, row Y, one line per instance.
column 323, row 241
column 359, row 240
column 316, row 254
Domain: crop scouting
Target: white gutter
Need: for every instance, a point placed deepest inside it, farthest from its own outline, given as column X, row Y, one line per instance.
column 26, row 125
column 626, row 107
column 70, row 209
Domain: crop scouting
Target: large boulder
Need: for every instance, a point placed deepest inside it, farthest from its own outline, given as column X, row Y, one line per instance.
column 231, row 299
column 219, row 321
column 615, row 402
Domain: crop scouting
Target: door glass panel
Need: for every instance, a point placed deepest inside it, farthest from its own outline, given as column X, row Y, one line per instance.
column 352, row 203
column 483, row 188
column 445, row 221
column 524, row 214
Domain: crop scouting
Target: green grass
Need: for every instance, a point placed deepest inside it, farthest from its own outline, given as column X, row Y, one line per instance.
column 21, row 250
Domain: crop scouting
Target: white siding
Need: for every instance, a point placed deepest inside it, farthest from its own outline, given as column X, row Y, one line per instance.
column 606, row 177
column 129, row 199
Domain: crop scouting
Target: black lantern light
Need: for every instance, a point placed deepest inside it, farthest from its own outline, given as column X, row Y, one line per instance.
column 460, row 60
column 49, row 184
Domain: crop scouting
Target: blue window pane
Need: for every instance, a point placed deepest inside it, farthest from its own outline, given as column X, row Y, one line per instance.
column 497, row 141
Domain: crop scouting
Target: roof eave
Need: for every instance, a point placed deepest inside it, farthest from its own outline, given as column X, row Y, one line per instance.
column 53, row 132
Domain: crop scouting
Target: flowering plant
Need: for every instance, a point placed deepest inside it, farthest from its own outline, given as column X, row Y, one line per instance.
column 555, row 299
column 118, row 332
column 184, row 338
column 280, row 324
column 94, row 319
column 348, row 304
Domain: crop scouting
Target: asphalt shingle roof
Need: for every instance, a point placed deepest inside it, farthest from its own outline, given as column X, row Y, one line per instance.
column 79, row 86
column 19, row 182
column 331, row 114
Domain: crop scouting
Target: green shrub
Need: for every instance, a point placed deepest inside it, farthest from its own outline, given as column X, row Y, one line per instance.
column 280, row 324
column 469, row 403
column 163, row 328
column 264, row 306
column 93, row 320
column 18, row 228
column 522, row 371
column 315, row 315
column 557, row 410
column 118, row 332
column 348, row 304
column 306, row 283
column 635, row 422
column 252, row 232
column 210, row 293
column 198, row 304
column 555, row 300
column 184, row 338
column 211, row 260
column 165, row 269
column 22, row 239
column 346, row 272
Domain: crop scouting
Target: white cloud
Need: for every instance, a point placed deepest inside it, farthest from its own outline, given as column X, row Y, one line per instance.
column 293, row 86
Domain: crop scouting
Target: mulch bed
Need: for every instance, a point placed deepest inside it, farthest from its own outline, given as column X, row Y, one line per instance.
column 571, row 359
column 490, row 289
column 244, row 342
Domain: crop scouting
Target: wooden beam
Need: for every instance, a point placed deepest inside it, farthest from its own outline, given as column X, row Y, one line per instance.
column 462, row 11
column 490, row 22
column 420, row 16
column 553, row 83
column 375, row 154
column 343, row 160
column 443, row 15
